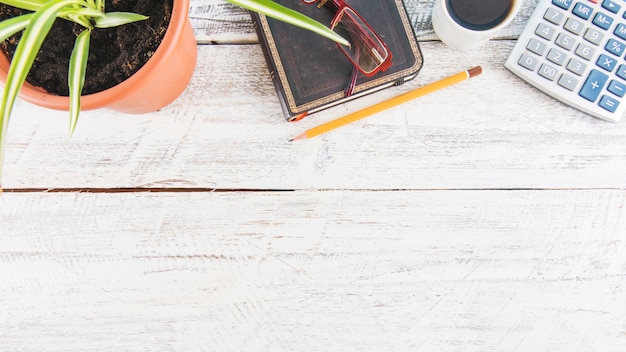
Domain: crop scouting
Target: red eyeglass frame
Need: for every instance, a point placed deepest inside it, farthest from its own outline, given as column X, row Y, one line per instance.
column 341, row 9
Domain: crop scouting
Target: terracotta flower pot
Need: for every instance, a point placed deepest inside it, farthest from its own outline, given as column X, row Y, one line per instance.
column 158, row 83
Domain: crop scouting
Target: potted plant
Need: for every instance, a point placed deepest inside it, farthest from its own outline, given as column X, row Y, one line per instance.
column 149, row 87
column 153, row 85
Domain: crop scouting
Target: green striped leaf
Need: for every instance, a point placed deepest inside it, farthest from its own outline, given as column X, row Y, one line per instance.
column 76, row 75
column 114, row 19
column 13, row 25
column 31, row 5
column 279, row 12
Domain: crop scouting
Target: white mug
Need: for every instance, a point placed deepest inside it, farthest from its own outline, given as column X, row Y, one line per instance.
column 459, row 36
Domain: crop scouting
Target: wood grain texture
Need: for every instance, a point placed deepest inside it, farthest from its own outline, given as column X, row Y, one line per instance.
column 312, row 271
column 485, row 217
column 227, row 131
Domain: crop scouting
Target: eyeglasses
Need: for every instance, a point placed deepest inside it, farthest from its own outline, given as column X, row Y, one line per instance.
column 367, row 52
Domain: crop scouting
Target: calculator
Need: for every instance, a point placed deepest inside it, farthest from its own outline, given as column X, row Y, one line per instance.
column 574, row 51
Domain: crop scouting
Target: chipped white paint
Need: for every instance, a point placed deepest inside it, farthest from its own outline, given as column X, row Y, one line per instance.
column 485, row 217
column 314, row 270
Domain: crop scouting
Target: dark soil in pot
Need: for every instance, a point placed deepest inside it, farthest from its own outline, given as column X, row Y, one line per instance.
column 114, row 55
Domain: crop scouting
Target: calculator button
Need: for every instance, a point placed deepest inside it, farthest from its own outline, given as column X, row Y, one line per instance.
column 545, row 31
column 548, row 72
column 537, row 47
column 576, row 67
column 568, row 82
column 621, row 72
column 553, row 16
column 585, row 51
column 603, row 21
column 593, row 85
column 556, row 56
column 528, row 61
column 564, row 4
column 614, row 47
column 616, row 87
column 574, row 26
column 583, row 11
column 565, row 41
column 593, row 36
column 611, row 6
column 608, row 103
column 620, row 30
column 606, row 62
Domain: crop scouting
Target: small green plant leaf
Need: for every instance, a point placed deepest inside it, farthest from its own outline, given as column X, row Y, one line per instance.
column 76, row 74
column 99, row 5
column 81, row 20
column 279, row 12
column 13, row 25
column 23, row 59
column 114, row 19
column 82, row 11
column 81, row 15
column 31, row 5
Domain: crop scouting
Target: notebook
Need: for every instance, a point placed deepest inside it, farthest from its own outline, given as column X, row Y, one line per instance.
column 310, row 73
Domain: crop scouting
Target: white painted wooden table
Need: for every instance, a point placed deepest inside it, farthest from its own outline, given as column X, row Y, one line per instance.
column 485, row 217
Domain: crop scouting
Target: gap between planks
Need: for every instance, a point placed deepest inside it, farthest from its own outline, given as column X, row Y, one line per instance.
column 252, row 190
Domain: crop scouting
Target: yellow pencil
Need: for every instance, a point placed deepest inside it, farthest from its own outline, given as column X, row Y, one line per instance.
column 329, row 126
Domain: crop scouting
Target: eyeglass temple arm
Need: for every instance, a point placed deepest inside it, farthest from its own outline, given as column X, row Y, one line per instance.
column 353, row 78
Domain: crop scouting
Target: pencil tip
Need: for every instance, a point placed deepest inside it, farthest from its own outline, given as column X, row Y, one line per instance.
column 475, row 71
column 301, row 136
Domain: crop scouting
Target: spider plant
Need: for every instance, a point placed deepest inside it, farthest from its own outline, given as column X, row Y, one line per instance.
column 36, row 25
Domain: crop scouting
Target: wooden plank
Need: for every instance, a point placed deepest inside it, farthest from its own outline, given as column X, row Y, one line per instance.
column 325, row 270
column 227, row 131
column 218, row 22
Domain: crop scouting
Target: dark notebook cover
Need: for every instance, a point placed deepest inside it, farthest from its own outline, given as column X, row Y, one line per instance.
column 310, row 72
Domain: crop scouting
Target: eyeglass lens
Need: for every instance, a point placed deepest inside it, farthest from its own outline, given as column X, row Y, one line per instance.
column 366, row 50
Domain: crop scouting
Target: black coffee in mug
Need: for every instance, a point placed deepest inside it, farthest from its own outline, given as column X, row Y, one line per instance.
column 479, row 15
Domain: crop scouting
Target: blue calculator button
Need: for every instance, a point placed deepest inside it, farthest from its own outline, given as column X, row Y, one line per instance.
column 564, row 4
column 606, row 62
column 611, row 6
column 593, row 85
column 608, row 103
column 618, row 88
column 620, row 30
column 603, row 21
column 621, row 72
column 615, row 47
column 583, row 11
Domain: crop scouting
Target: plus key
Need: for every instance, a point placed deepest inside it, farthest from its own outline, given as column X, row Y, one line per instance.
column 593, row 85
